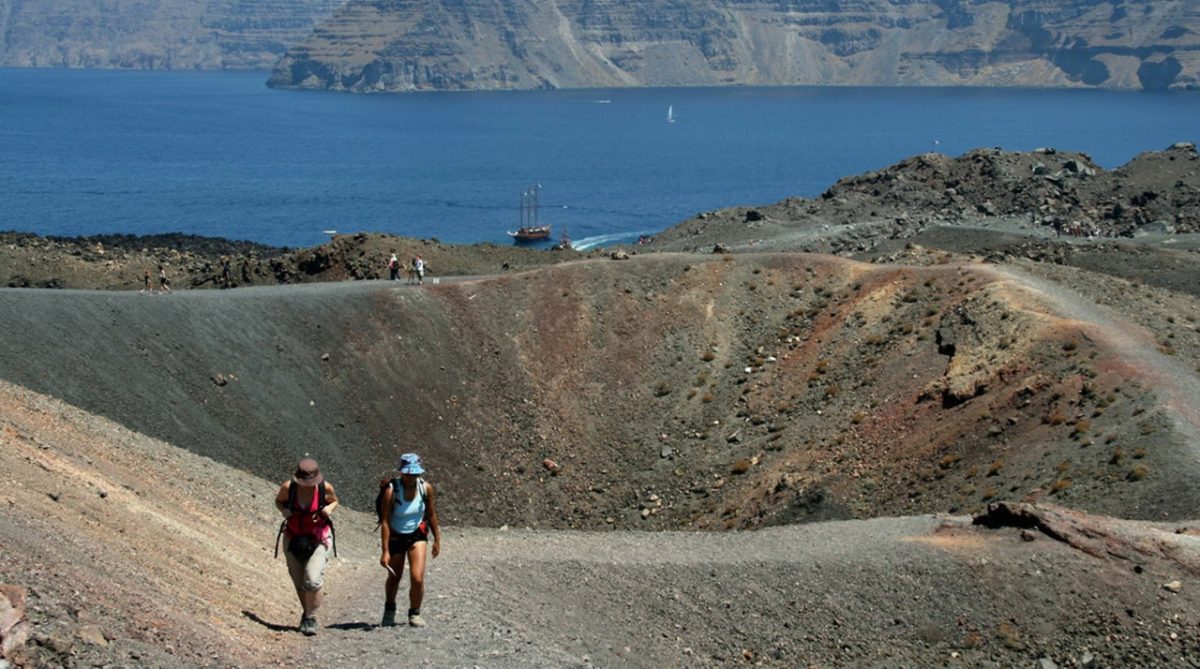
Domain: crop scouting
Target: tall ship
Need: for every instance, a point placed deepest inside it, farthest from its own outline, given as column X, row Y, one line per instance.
column 530, row 230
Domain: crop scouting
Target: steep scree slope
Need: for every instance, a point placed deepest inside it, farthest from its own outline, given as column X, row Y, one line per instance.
column 404, row 45
column 164, row 34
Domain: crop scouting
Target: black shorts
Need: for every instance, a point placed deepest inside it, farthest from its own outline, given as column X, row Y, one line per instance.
column 400, row 543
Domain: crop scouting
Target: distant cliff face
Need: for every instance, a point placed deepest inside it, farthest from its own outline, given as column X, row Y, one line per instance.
column 155, row 34
column 405, row 45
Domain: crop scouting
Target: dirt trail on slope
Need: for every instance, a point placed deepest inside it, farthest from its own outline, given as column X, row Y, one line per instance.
column 1178, row 385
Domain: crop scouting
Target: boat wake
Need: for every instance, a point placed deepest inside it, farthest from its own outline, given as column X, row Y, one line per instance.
column 604, row 240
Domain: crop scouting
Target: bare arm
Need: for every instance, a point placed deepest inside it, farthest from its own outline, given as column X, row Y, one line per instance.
column 431, row 514
column 331, row 500
column 281, row 500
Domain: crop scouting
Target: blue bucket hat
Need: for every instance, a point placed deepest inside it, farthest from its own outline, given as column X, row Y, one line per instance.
column 410, row 463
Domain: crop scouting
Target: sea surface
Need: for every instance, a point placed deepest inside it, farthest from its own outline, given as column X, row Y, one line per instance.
column 219, row 154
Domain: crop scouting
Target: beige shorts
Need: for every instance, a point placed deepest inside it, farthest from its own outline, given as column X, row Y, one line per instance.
column 308, row 576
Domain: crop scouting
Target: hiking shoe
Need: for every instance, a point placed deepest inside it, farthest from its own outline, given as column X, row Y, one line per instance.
column 389, row 618
column 415, row 620
column 308, row 626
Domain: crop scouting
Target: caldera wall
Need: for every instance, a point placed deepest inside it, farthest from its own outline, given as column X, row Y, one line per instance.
column 663, row 392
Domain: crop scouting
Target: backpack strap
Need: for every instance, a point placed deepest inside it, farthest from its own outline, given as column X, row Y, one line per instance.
column 322, row 501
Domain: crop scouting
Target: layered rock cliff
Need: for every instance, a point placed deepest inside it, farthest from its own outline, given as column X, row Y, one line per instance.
column 406, row 45
column 155, row 34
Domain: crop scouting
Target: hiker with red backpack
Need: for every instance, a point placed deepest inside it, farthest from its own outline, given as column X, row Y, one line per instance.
column 306, row 502
column 407, row 516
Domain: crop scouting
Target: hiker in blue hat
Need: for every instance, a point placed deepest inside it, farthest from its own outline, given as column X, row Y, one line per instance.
column 408, row 516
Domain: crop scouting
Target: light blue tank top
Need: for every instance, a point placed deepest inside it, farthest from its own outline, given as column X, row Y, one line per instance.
column 407, row 514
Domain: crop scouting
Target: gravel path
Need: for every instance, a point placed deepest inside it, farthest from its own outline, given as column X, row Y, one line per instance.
column 896, row 592
column 1178, row 385
column 528, row 598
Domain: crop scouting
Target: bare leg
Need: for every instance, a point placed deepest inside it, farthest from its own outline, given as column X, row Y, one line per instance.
column 416, row 572
column 393, row 580
column 312, row 602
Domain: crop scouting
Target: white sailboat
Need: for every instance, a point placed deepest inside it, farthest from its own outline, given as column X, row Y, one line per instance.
column 670, row 113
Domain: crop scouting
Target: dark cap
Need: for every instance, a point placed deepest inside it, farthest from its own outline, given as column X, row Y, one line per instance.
column 308, row 473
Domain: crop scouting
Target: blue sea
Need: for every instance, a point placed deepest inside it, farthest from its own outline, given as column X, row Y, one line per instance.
column 219, row 154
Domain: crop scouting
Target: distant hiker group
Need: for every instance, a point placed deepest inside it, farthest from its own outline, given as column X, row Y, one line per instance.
column 407, row 516
column 164, row 284
column 417, row 268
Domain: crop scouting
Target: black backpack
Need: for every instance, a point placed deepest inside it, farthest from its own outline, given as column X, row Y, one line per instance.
column 396, row 487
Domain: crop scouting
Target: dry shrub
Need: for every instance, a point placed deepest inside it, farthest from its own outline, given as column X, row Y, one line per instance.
column 1117, row 456
column 948, row 461
column 1071, row 345
column 973, row 471
column 858, row 417
column 995, row 467
column 1056, row 418
column 1060, row 485
column 1008, row 635
column 708, row 356
column 1139, row 453
column 1137, row 473
column 1082, row 426
column 708, row 397
column 740, row 467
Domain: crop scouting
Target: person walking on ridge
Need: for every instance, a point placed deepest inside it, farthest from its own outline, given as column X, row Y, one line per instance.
column 147, row 286
column 419, row 270
column 408, row 517
column 394, row 268
column 306, row 501
column 164, row 284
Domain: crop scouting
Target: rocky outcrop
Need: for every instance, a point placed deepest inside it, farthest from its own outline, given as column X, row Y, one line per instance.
column 165, row 34
column 14, row 627
column 407, row 45
column 1062, row 193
